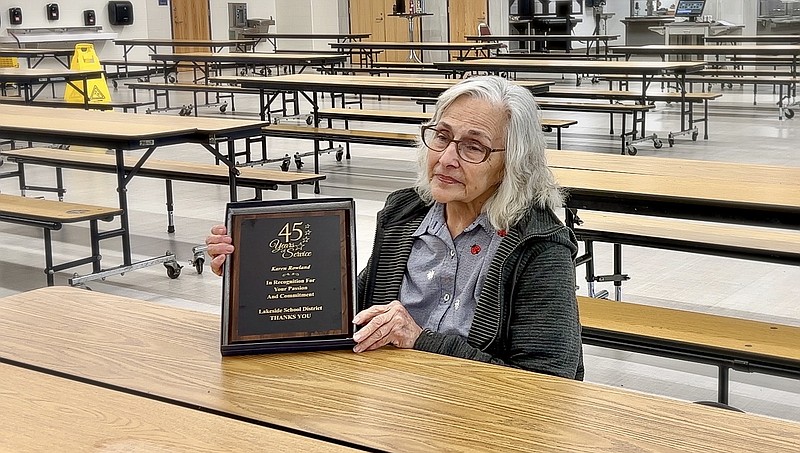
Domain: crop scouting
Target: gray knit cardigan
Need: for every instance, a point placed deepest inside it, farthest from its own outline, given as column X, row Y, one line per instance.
column 527, row 314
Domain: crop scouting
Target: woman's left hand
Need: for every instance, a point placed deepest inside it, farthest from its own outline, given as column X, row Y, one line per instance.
column 385, row 324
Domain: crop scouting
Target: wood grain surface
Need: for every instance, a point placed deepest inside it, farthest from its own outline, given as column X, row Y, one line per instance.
column 757, row 238
column 53, row 211
column 42, row 412
column 743, row 335
column 647, row 165
column 391, row 399
column 113, row 124
column 108, row 161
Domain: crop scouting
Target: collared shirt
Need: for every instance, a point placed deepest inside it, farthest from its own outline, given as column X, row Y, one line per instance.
column 444, row 275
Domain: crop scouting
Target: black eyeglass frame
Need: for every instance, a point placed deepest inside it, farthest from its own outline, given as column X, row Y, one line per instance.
column 487, row 151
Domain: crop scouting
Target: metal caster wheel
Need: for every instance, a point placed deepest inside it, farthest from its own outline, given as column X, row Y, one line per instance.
column 263, row 72
column 223, row 108
column 182, row 111
column 671, row 140
column 285, row 163
column 788, row 113
column 309, row 120
column 339, row 155
column 198, row 258
column 172, row 79
column 115, row 84
column 198, row 265
column 173, row 269
column 631, row 150
column 547, row 129
column 298, row 161
column 658, row 143
column 694, row 136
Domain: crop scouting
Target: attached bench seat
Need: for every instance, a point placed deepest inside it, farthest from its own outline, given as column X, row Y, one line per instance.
column 51, row 215
column 404, row 117
column 733, row 241
column 628, row 138
column 257, row 178
column 729, row 343
column 161, row 90
column 147, row 69
column 379, row 71
column 786, row 85
column 341, row 135
column 60, row 103
column 627, row 95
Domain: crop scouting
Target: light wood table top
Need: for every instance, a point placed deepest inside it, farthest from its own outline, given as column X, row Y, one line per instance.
column 51, row 210
column 252, row 58
column 647, row 165
column 416, row 45
column 778, row 196
column 182, row 42
column 775, row 39
column 571, row 65
column 541, row 37
column 48, row 413
column 28, row 75
column 390, row 399
column 307, row 35
column 744, row 49
column 389, row 86
column 74, row 123
column 32, row 53
column 739, row 335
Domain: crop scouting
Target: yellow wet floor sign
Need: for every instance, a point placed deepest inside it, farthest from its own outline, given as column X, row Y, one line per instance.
column 84, row 58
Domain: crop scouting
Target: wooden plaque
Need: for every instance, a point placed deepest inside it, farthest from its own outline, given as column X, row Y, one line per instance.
column 290, row 284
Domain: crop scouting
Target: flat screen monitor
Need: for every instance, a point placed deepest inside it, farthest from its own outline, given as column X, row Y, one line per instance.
column 690, row 8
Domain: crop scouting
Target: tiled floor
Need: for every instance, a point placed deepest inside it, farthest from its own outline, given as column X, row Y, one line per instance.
column 739, row 132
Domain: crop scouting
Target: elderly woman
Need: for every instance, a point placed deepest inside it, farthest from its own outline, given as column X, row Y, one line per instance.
column 472, row 262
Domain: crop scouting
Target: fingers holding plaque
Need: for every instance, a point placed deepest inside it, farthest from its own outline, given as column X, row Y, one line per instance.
column 290, row 284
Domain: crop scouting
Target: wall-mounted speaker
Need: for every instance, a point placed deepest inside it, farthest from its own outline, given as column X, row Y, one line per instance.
column 89, row 18
column 15, row 16
column 120, row 13
column 51, row 9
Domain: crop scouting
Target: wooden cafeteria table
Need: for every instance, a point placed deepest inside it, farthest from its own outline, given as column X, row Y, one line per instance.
column 386, row 400
column 759, row 39
column 206, row 61
column 123, row 132
column 214, row 45
column 464, row 49
column 646, row 69
column 774, row 50
column 692, row 190
column 44, row 412
column 273, row 38
column 28, row 79
column 311, row 86
column 589, row 39
column 36, row 56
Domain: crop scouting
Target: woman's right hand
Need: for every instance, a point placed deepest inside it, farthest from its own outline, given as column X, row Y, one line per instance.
column 219, row 247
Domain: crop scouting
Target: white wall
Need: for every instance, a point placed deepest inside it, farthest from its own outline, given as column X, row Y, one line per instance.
column 71, row 15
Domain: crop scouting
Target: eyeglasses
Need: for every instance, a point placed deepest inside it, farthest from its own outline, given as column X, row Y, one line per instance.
column 468, row 150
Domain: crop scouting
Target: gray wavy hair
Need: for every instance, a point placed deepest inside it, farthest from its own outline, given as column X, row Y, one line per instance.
column 527, row 180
